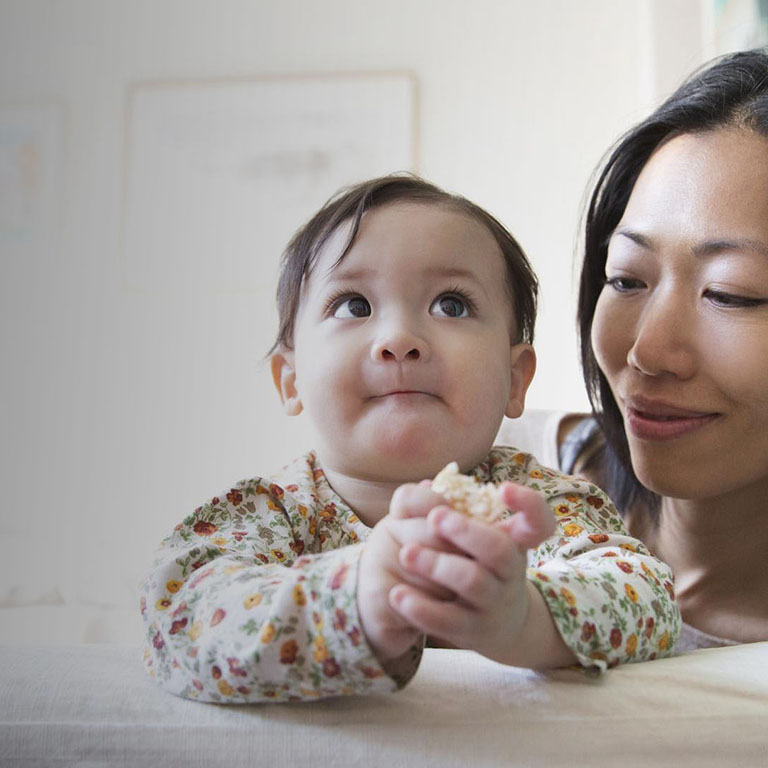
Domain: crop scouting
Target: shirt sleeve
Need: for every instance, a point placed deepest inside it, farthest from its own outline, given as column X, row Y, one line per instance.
column 612, row 600
column 235, row 611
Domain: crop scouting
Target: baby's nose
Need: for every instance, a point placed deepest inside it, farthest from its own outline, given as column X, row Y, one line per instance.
column 399, row 345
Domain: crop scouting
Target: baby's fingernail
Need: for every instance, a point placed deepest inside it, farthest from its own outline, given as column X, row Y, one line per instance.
column 409, row 553
column 397, row 594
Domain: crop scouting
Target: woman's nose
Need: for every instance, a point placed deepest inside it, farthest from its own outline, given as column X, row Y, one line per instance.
column 398, row 343
column 664, row 342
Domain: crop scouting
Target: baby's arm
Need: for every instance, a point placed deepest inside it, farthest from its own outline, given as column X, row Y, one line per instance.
column 235, row 611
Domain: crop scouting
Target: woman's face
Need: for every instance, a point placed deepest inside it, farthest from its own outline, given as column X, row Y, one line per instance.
column 681, row 326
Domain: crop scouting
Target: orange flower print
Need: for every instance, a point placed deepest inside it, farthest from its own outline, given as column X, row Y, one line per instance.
column 631, row 592
column 595, row 501
column 273, row 507
column 320, row 652
column 615, row 637
column 299, row 596
column 163, row 604
column 267, row 634
column 572, row 529
column 664, row 641
column 610, row 554
column 536, row 474
column 288, row 652
column 174, row 585
column 624, row 566
column 204, row 528
column 218, row 616
column 562, row 509
column 628, row 547
column 339, row 577
column 598, row 538
column 279, row 555
column 519, row 458
column 631, row 644
column 312, row 526
column 568, row 596
column 572, row 497
column 220, row 541
column 234, row 497
column 292, row 488
column 225, row 688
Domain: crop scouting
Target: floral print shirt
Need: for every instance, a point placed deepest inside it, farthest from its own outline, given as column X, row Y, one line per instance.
column 253, row 597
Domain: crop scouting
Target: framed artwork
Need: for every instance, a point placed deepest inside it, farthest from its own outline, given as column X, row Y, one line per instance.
column 218, row 174
column 30, row 146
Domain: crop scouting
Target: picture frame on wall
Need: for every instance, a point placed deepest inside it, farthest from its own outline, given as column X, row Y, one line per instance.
column 218, row 174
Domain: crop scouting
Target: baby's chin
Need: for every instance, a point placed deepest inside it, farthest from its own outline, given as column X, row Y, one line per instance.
column 412, row 460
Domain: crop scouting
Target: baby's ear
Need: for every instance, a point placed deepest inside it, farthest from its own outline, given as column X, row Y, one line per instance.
column 523, row 366
column 284, row 377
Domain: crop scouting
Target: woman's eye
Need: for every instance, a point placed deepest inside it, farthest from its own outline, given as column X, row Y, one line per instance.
column 450, row 305
column 623, row 284
column 730, row 300
column 351, row 306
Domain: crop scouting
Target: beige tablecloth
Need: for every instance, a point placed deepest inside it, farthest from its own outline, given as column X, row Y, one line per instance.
column 93, row 706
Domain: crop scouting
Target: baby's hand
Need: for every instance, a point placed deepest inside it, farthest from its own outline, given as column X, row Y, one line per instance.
column 486, row 572
column 388, row 633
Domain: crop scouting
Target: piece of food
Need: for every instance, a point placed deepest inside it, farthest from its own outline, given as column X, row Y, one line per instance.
column 467, row 495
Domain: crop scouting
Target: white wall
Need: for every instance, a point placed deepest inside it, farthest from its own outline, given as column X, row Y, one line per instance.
column 121, row 412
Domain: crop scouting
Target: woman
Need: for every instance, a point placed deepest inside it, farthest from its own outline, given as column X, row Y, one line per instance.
column 673, row 320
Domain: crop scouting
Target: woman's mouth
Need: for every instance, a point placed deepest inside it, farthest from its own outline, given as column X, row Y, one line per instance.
column 648, row 420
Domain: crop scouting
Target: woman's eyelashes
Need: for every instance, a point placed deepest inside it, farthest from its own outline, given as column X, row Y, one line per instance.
column 728, row 300
column 715, row 296
column 624, row 284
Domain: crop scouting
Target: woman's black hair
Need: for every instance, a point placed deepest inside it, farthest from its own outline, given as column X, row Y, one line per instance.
column 731, row 91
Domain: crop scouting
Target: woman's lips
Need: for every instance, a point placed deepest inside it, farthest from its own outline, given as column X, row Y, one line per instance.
column 655, row 421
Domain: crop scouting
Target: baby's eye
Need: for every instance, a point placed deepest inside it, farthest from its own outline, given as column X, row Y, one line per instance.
column 450, row 305
column 351, row 306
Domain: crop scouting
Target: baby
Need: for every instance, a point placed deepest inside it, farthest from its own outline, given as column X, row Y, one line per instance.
column 406, row 322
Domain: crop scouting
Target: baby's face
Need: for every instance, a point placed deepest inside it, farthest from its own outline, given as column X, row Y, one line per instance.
column 403, row 354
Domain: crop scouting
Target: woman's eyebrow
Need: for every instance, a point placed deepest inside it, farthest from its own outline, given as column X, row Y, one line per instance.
column 704, row 248
column 714, row 247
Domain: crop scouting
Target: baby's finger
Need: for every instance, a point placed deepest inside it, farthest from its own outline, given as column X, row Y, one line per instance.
column 469, row 580
column 413, row 500
column 488, row 544
column 416, row 530
column 448, row 620
column 533, row 521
